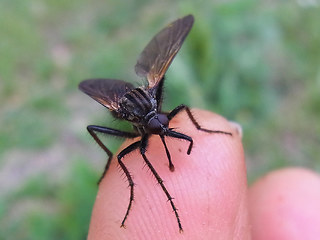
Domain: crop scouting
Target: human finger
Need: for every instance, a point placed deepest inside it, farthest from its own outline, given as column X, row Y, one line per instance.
column 208, row 186
column 284, row 204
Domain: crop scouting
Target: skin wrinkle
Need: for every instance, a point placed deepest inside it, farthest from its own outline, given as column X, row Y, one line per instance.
column 243, row 203
column 157, row 194
column 233, row 176
column 209, row 209
column 239, row 220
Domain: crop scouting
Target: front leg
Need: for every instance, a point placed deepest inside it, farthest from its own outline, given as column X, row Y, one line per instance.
column 143, row 149
column 92, row 129
column 181, row 107
column 124, row 152
column 171, row 166
column 171, row 133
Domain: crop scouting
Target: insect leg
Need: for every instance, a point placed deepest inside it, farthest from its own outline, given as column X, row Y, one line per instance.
column 171, row 133
column 92, row 129
column 124, row 152
column 181, row 107
column 171, row 166
column 144, row 142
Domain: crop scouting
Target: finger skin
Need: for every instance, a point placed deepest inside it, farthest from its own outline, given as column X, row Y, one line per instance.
column 209, row 188
column 285, row 205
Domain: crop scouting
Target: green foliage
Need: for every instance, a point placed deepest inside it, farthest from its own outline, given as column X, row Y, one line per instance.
column 45, row 210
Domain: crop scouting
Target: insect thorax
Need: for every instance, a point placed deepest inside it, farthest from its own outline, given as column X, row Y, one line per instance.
column 137, row 105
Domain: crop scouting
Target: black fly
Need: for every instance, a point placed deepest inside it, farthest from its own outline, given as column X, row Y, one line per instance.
column 142, row 106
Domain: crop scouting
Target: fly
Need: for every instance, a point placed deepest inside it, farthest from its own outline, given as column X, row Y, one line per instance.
column 141, row 106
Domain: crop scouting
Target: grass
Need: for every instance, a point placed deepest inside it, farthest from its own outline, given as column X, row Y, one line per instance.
column 255, row 63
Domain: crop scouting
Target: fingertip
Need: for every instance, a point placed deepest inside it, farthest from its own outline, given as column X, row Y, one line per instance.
column 215, row 176
column 284, row 204
column 208, row 186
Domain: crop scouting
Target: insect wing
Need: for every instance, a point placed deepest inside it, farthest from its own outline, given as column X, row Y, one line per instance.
column 161, row 50
column 107, row 92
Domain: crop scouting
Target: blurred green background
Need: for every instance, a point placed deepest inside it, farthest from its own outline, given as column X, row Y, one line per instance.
column 257, row 63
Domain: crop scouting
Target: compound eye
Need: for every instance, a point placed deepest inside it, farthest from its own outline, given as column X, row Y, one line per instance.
column 163, row 119
column 154, row 125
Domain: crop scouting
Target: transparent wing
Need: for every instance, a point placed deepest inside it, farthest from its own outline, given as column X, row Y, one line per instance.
column 107, row 92
column 161, row 50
